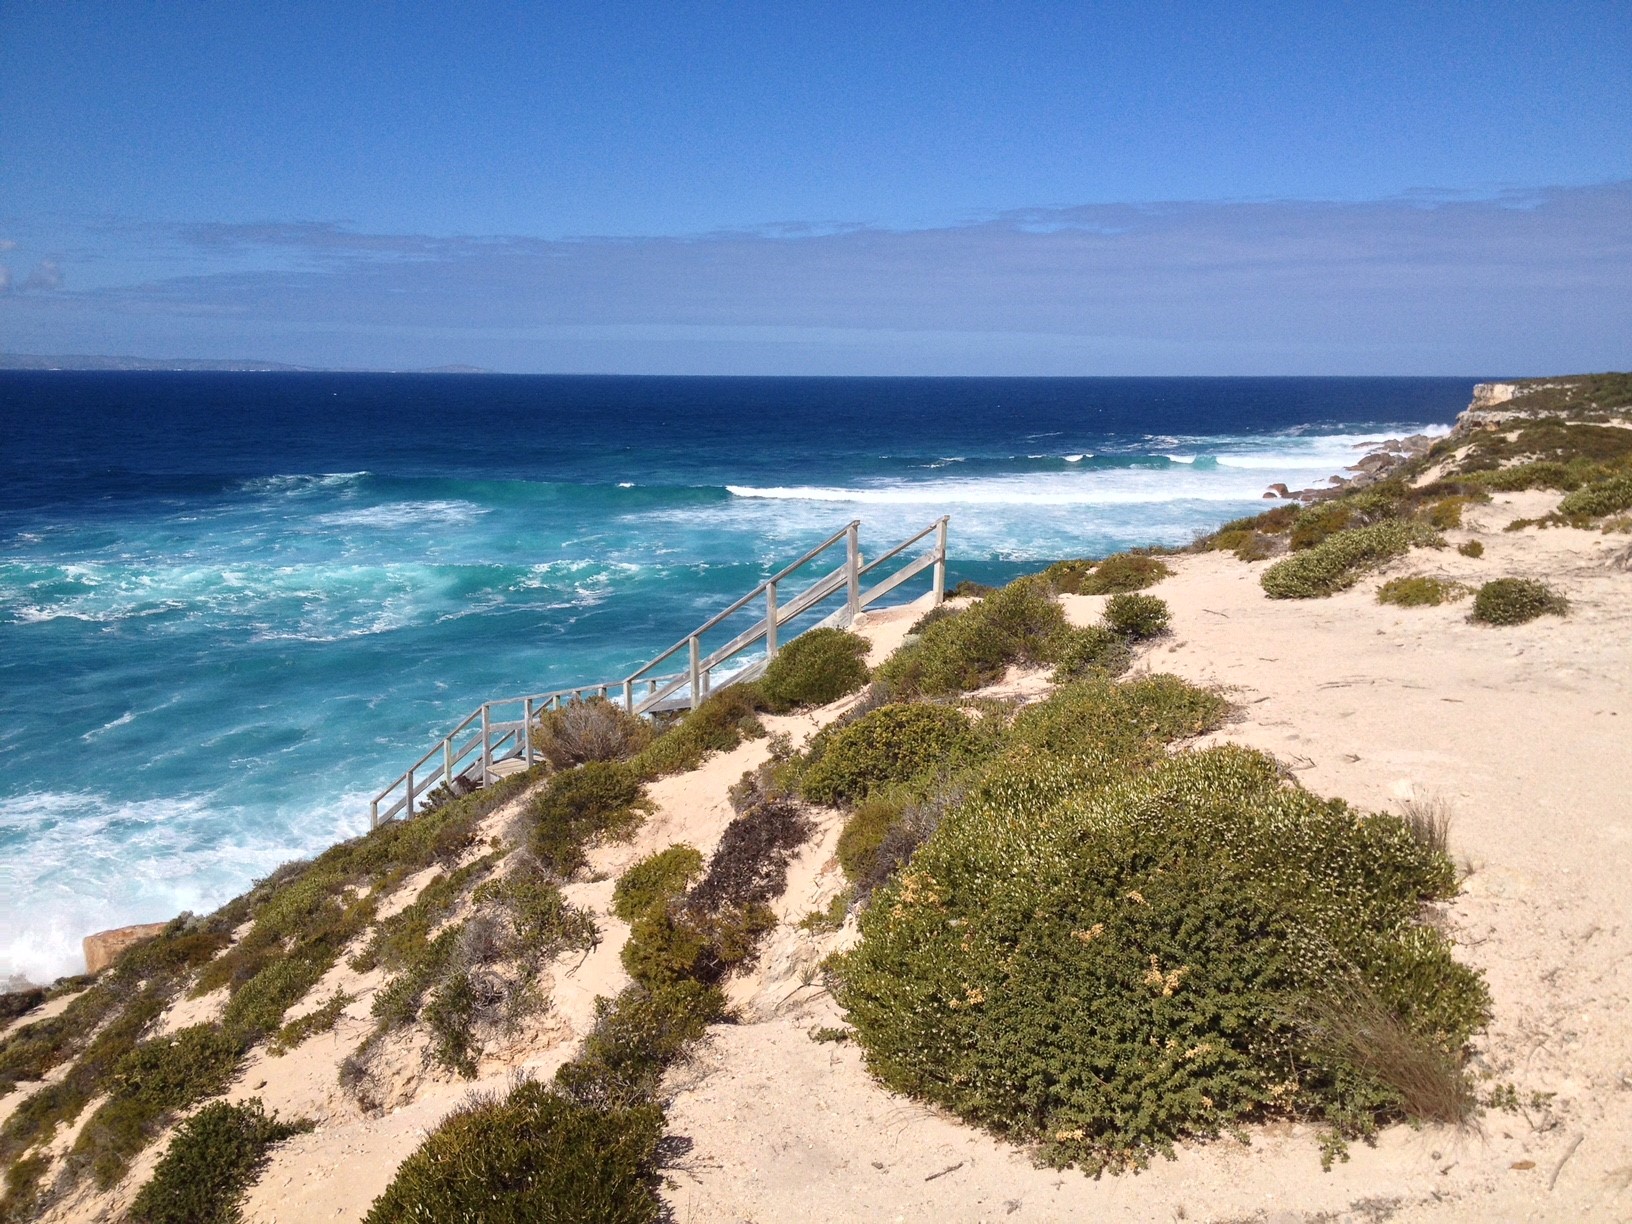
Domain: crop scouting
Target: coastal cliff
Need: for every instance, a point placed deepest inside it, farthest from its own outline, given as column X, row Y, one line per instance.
column 383, row 1000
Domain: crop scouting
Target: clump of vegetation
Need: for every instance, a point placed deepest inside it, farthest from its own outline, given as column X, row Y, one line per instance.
column 1471, row 548
column 893, row 744
column 656, row 880
column 1337, row 563
column 157, row 1077
column 1115, row 575
column 864, row 832
column 634, row 1038
column 1445, row 514
column 1419, row 592
column 973, row 647
column 750, row 865
column 1599, row 499
column 1102, row 966
column 817, row 667
column 532, row 1155
column 1513, row 601
column 1320, row 522
column 15, row 1004
column 1092, row 650
column 592, row 730
column 599, row 799
column 719, row 724
column 321, row 1019
column 213, row 1159
column 1136, row 617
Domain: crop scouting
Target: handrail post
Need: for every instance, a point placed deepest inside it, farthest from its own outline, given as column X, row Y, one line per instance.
column 527, row 732
column 408, row 813
column 852, row 565
column 629, row 696
column 447, row 764
column 770, row 620
column 696, row 672
column 940, row 562
column 487, row 746
column 373, row 815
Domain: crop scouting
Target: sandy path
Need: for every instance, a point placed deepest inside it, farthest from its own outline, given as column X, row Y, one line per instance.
column 1523, row 730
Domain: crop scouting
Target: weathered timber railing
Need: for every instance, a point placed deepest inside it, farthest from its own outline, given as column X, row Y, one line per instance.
column 501, row 731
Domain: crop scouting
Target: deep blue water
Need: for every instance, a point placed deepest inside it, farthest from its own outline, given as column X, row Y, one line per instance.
column 232, row 606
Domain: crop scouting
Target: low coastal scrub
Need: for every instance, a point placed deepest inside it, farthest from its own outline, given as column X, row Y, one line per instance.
column 1103, row 963
column 1337, row 563
column 215, row 1156
column 600, row 799
column 1091, row 650
column 1597, row 500
column 593, row 730
column 1419, row 592
column 974, row 647
column 1471, row 548
column 814, row 669
column 1136, row 617
column 894, row 744
column 719, row 724
column 1116, row 574
column 532, row 1155
column 656, row 880
column 1513, row 601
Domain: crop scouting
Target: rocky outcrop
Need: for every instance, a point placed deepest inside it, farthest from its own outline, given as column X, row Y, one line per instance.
column 105, row 947
column 1370, row 468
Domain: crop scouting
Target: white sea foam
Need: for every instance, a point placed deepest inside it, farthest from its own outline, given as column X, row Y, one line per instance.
column 94, row 863
column 396, row 515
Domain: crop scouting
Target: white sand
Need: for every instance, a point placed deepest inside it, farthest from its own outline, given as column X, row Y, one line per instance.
column 1525, row 731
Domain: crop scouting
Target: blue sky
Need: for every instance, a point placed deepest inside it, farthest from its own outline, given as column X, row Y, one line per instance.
column 882, row 188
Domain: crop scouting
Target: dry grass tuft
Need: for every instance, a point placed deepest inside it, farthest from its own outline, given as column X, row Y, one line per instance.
column 1429, row 819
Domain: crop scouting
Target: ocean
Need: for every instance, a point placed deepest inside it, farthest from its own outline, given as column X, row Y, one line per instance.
column 234, row 606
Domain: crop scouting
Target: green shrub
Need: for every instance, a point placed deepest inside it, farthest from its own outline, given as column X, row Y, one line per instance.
column 156, row 1078
column 1067, row 577
column 1136, row 617
column 1110, row 725
column 1123, row 572
column 973, row 647
column 1544, row 474
column 21, row 1200
column 864, row 833
column 592, row 730
column 1513, row 601
column 634, row 1037
column 1596, row 500
column 17, row 1003
column 1319, row 522
column 968, row 588
column 1337, row 563
column 724, row 720
column 600, row 799
column 215, row 1156
column 1446, row 513
column 815, row 668
column 534, row 1155
column 1103, row 971
column 656, row 880
column 677, row 943
column 1094, row 650
column 320, row 1020
column 1471, row 548
column 1419, row 592
column 893, row 744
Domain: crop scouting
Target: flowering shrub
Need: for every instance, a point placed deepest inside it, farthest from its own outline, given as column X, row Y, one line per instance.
column 1103, row 963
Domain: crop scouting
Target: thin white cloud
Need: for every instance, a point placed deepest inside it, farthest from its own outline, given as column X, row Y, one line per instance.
column 1500, row 283
column 45, row 278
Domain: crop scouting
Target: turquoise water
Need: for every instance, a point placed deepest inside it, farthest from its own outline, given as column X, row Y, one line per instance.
column 232, row 607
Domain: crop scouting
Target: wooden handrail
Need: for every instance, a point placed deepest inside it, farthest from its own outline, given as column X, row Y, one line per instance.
column 500, row 739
